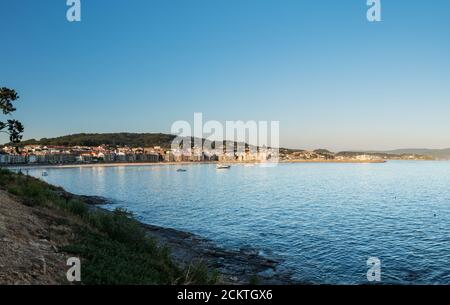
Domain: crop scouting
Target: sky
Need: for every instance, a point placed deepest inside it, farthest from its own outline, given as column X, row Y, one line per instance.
column 331, row 78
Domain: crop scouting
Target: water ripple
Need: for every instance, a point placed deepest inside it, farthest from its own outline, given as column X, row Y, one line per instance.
column 323, row 220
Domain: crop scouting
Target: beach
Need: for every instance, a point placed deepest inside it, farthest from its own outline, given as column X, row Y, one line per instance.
column 119, row 164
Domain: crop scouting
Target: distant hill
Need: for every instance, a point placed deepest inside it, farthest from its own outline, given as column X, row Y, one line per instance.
column 352, row 154
column 96, row 139
column 435, row 153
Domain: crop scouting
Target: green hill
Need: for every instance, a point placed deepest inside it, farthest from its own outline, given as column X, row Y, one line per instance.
column 96, row 139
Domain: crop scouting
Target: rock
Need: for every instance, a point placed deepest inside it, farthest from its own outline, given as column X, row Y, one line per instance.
column 235, row 267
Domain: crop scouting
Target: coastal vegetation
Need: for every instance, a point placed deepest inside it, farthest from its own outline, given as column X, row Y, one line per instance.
column 113, row 246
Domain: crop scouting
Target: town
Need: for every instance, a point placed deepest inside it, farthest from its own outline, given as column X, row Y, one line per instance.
column 59, row 155
column 43, row 154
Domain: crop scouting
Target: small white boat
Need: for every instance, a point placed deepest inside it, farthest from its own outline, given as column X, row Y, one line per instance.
column 222, row 166
column 181, row 170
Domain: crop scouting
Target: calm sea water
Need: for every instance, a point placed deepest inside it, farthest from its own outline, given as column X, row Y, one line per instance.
column 323, row 220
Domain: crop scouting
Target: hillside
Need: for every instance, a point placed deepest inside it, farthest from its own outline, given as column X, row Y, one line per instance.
column 42, row 226
column 435, row 153
column 112, row 139
column 96, row 139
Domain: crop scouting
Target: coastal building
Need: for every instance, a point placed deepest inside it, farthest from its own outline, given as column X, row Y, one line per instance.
column 169, row 156
column 109, row 157
column 32, row 159
column 121, row 157
column 4, row 159
column 130, row 157
column 16, row 159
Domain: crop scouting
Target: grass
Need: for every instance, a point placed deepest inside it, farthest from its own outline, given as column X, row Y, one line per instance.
column 113, row 246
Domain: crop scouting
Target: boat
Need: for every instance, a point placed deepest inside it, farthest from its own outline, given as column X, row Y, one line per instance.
column 181, row 170
column 222, row 166
column 44, row 174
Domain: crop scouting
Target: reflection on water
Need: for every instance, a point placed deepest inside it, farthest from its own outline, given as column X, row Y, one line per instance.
column 323, row 220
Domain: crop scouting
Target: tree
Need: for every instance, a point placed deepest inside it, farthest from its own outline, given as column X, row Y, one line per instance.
column 11, row 127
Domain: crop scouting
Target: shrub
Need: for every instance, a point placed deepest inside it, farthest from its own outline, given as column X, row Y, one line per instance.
column 106, row 261
column 120, row 226
column 199, row 273
column 113, row 246
column 77, row 207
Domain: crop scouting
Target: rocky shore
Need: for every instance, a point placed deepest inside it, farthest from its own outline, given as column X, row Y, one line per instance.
column 32, row 234
column 235, row 267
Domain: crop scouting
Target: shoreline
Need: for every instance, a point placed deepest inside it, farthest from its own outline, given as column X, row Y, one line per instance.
column 48, row 229
column 235, row 267
column 130, row 164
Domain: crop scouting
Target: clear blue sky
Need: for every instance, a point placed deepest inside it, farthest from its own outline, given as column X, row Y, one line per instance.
column 330, row 77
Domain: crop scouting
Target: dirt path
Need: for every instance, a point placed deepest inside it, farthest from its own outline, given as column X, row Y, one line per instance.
column 28, row 239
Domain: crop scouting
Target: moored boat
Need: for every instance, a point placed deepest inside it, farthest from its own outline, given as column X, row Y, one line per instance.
column 223, row 166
